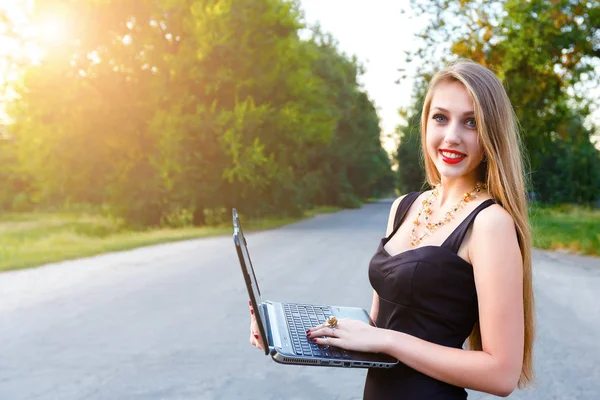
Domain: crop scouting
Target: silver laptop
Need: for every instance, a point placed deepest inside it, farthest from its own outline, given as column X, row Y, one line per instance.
column 283, row 326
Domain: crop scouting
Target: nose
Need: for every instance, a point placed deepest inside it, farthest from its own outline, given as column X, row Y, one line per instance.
column 452, row 135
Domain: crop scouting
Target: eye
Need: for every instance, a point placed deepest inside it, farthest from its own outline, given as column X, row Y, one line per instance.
column 471, row 123
column 439, row 118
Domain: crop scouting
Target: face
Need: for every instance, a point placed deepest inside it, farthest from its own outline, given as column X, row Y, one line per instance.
column 451, row 136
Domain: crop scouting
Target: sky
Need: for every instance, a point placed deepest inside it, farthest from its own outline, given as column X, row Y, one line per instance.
column 377, row 33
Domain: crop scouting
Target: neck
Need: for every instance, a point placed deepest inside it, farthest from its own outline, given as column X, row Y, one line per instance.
column 451, row 191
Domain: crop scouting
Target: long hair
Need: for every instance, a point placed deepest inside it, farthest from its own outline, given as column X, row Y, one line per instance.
column 503, row 171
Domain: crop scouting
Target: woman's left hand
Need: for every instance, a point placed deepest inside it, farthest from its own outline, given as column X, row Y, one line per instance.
column 349, row 334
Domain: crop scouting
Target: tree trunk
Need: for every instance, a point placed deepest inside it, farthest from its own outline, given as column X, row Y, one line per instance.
column 199, row 219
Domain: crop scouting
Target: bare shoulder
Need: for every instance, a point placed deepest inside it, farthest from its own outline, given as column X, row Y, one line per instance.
column 393, row 211
column 494, row 239
column 498, row 271
column 395, row 205
column 391, row 217
column 494, row 220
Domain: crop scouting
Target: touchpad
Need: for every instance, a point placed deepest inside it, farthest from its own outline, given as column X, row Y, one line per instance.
column 351, row 313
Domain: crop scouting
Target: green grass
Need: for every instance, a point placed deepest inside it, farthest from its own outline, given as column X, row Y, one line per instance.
column 32, row 239
column 572, row 228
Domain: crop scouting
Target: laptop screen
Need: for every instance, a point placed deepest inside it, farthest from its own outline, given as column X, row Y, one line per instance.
column 249, row 276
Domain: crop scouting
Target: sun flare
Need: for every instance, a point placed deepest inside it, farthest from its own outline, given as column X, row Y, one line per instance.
column 53, row 29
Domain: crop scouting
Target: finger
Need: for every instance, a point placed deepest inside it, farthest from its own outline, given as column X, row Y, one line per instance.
column 326, row 331
column 256, row 341
column 327, row 341
column 257, row 337
column 316, row 332
column 326, row 325
column 253, row 332
column 316, row 328
column 321, row 326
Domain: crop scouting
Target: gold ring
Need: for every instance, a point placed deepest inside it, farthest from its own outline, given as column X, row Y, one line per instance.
column 332, row 322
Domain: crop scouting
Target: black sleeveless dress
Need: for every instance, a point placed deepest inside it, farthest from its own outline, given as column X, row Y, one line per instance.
column 428, row 292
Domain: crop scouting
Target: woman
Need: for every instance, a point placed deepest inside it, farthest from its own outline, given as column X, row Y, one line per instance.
column 456, row 260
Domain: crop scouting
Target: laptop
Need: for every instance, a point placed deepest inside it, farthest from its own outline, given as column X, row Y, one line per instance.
column 282, row 326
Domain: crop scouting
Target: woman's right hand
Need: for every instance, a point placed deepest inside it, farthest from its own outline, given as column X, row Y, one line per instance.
column 255, row 339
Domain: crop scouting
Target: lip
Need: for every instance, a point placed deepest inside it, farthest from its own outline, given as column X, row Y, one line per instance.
column 449, row 160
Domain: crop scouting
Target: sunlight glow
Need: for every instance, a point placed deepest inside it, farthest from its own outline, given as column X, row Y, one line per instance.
column 34, row 53
column 53, row 29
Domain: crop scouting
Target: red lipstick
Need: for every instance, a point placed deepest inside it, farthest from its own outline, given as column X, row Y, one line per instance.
column 453, row 160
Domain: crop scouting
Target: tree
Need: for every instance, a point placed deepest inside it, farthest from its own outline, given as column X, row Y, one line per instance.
column 353, row 165
column 411, row 168
column 545, row 53
column 157, row 106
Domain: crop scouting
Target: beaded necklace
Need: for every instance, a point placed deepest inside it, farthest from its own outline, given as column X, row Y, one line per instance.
column 449, row 216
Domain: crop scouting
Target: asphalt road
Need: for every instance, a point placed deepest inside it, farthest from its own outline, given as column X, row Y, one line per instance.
column 171, row 321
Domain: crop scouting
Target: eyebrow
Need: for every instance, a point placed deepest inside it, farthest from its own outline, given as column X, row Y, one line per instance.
column 446, row 111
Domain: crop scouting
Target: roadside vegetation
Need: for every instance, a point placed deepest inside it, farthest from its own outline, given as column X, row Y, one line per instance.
column 155, row 116
column 566, row 227
column 32, row 239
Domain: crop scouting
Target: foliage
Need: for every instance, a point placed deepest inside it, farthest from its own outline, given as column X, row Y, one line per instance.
column 565, row 226
column 353, row 165
column 546, row 53
column 162, row 108
column 33, row 238
column 411, row 168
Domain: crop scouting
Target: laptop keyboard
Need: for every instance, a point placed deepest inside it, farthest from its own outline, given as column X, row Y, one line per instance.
column 300, row 318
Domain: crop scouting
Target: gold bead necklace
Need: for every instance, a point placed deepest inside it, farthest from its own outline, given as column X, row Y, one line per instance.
column 449, row 216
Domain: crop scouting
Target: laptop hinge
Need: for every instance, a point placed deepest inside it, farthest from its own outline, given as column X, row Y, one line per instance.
column 268, row 331
column 275, row 333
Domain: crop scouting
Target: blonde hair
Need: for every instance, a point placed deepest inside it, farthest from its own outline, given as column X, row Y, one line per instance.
column 503, row 172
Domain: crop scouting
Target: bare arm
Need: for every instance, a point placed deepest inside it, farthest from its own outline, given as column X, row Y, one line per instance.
column 374, row 307
column 497, row 267
column 390, row 227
